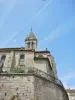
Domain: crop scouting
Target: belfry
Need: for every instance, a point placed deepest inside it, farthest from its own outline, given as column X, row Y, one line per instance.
column 31, row 41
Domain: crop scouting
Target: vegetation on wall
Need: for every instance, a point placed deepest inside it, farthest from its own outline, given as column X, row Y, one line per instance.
column 22, row 70
column 17, row 70
column 30, row 70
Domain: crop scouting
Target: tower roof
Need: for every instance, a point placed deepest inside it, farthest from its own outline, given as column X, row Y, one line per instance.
column 31, row 36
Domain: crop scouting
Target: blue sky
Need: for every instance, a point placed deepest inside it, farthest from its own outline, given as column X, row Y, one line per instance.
column 53, row 22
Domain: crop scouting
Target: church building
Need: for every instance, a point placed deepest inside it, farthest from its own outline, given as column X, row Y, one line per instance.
column 26, row 57
column 28, row 74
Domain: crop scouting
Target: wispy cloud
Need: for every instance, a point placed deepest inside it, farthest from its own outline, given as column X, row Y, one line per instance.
column 56, row 33
column 67, row 78
column 41, row 9
column 67, row 85
column 59, row 31
column 17, row 32
column 9, row 6
column 7, row 41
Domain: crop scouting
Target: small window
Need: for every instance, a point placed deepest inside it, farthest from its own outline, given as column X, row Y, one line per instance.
column 2, row 62
column 21, row 59
column 28, row 44
column 32, row 45
column 3, row 59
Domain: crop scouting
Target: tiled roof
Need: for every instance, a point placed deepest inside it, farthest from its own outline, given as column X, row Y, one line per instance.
column 31, row 36
column 70, row 90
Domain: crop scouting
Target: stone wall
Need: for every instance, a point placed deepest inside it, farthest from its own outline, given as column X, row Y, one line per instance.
column 29, row 87
column 13, row 86
column 46, row 90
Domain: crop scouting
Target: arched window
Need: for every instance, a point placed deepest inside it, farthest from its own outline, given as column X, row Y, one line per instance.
column 3, row 59
column 28, row 44
column 22, row 59
column 32, row 45
column 2, row 62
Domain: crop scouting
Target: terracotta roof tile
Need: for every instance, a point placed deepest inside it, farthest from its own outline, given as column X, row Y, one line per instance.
column 70, row 90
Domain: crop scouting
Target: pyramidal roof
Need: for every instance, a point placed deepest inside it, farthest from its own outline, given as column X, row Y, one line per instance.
column 31, row 36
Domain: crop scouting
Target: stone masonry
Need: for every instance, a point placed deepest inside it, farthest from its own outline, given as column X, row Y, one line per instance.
column 29, row 87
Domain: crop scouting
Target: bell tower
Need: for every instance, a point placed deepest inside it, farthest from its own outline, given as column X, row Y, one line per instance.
column 31, row 41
